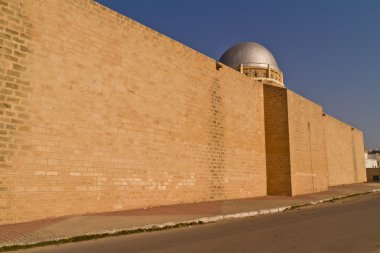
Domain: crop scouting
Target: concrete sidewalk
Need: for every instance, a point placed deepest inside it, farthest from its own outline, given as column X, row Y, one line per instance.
column 111, row 222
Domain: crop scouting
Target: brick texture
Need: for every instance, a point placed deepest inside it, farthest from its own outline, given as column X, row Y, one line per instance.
column 295, row 143
column 307, row 145
column 15, row 54
column 101, row 113
column 345, row 151
column 277, row 141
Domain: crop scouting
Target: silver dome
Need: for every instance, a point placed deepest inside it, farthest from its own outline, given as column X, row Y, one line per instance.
column 248, row 54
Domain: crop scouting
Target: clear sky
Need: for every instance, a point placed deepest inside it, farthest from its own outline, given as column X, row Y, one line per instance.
column 328, row 50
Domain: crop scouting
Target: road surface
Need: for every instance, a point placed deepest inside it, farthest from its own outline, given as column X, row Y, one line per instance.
column 351, row 225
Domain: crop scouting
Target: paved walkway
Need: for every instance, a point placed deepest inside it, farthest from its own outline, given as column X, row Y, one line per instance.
column 65, row 227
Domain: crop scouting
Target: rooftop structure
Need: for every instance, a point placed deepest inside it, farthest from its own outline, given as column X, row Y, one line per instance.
column 254, row 60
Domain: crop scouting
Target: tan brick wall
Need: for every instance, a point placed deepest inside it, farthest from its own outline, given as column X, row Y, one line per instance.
column 345, row 151
column 307, row 145
column 295, row 143
column 277, row 140
column 358, row 142
column 244, row 137
column 101, row 113
column 15, row 52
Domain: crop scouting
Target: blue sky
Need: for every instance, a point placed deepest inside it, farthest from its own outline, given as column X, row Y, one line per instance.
column 328, row 50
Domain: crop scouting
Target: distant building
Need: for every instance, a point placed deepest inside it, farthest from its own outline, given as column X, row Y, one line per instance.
column 372, row 164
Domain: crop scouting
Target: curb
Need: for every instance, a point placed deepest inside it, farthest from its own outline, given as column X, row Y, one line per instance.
column 172, row 225
column 276, row 209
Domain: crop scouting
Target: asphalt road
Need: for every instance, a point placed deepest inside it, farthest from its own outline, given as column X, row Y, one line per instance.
column 352, row 225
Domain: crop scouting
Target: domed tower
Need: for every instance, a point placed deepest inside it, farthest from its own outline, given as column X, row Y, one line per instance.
column 253, row 60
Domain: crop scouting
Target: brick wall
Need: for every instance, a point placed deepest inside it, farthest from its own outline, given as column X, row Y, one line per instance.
column 307, row 145
column 15, row 52
column 358, row 149
column 277, row 140
column 101, row 113
column 295, row 143
column 345, row 151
